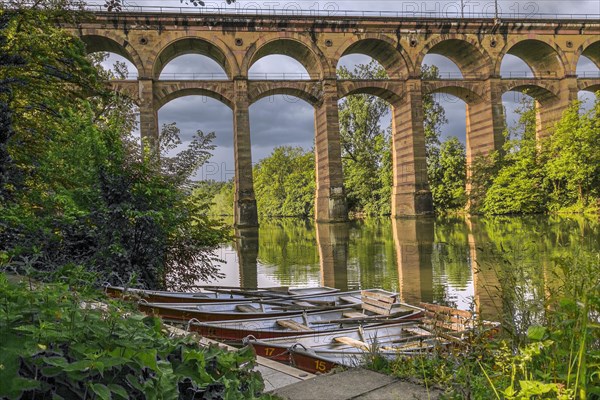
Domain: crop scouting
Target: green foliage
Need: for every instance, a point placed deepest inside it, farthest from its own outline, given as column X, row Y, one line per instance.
column 61, row 342
column 562, row 173
column 446, row 162
column 223, row 200
column 573, row 159
column 549, row 346
column 518, row 186
column 447, row 170
column 366, row 146
column 284, row 183
column 80, row 190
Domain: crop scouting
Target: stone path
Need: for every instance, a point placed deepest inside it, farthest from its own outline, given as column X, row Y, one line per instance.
column 355, row 384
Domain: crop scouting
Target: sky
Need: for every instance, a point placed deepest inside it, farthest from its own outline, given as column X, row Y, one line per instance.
column 278, row 120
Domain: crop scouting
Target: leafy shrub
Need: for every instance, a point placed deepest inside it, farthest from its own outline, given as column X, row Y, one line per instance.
column 62, row 342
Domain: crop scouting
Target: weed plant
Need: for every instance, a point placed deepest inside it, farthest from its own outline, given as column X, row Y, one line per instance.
column 65, row 341
column 547, row 352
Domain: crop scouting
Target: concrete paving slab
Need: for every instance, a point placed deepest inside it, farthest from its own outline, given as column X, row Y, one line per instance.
column 341, row 386
column 401, row 390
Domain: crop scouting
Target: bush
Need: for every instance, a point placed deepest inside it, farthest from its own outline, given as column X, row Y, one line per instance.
column 66, row 341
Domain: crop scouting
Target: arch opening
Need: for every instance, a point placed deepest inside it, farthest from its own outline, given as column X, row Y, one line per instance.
column 191, row 46
column 447, row 140
column 278, row 67
column 542, row 59
column 293, row 49
column 365, row 121
column 587, row 98
column 193, row 67
column 514, row 67
column 592, row 53
column 361, row 66
column 382, row 52
column 117, row 67
column 471, row 62
column 192, row 113
column 282, row 128
column 587, row 68
column 108, row 53
column 436, row 67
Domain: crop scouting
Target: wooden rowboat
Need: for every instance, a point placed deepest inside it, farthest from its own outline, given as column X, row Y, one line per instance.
column 215, row 294
column 320, row 352
column 300, row 324
column 295, row 305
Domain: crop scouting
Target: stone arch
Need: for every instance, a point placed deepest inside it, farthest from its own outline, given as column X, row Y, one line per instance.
column 544, row 57
column 382, row 49
column 113, row 44
column 194, row 45
column 301, row 93
column 382, row 92
column 465, row 93
column 169, row 96
column 541, row 94
column 465, row 52
column 306, row 53
column 591, row 50
column 592, row 87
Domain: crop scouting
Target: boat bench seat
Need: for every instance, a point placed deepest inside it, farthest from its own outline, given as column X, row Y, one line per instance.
column 247, row 308
column 352, row 342
column 293, row 325
column 353, row 314
column 378, row 303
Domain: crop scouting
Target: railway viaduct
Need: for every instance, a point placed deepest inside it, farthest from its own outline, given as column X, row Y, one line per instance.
column 477, row 46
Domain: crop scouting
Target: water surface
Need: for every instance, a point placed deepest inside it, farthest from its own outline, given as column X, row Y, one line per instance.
column 465, row 262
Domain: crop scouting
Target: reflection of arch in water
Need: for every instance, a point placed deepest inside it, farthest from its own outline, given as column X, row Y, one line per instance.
column 246, row 247
column 333, row 242
column 414, row 247
column 486, row 285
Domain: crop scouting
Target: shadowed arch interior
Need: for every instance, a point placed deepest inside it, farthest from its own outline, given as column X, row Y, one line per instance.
column 256, row 95
column 465, row 55
column 191, row 46
column 192, row 92
column 291, row 48
column 592, row 88
column 384, row 53
column 593, row 53
column 385, row 94
column 540, row 94
column 95, row 43
column 543, row 60
column 466, row 95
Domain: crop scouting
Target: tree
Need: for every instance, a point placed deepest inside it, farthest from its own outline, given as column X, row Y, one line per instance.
column 366, row 146
column 447, row 170
column 284, row 183
column 80, row 190
column 573, row 166
column 518, row 187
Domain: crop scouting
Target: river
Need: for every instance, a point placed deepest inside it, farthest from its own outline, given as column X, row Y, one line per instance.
column 494, row 265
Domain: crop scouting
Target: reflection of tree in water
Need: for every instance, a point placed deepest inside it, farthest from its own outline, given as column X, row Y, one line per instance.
column 450, row 256
column 372, row 256
column 288, row 247
column 523, row 252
